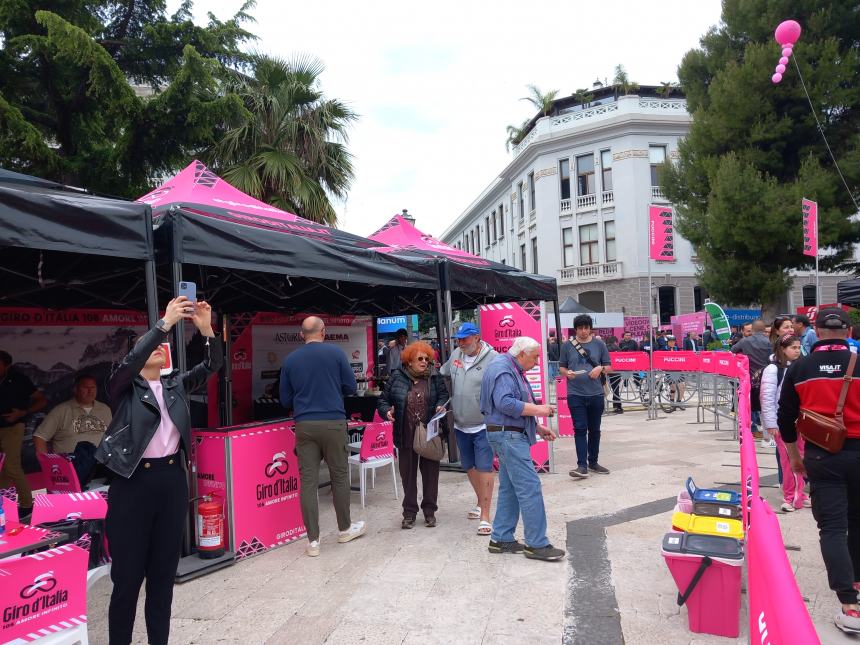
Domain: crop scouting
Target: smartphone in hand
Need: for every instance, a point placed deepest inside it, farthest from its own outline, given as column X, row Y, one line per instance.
column 187, row 289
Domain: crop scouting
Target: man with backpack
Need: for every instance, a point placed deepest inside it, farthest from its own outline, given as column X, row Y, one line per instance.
column 584, row 360
column 757, row 348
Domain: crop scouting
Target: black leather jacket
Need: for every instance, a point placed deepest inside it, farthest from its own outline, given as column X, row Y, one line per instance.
column 136, row 415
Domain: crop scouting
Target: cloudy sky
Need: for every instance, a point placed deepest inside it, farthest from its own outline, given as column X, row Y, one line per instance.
column 436, row 83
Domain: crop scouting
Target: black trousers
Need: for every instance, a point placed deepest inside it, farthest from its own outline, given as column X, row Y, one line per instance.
column 145, row 519
column 835, row 484
column 410, row 464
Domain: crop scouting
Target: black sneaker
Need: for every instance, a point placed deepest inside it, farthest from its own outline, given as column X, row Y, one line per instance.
column 580, row 472
column 546, row 553
column 619, row 410
column 506, row 547
column 597, row 468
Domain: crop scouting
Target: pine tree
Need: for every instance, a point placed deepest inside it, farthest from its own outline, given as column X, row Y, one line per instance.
column 69, row 112
column 754, row 150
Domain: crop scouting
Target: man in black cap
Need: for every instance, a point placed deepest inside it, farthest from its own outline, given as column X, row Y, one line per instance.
column 815, row 383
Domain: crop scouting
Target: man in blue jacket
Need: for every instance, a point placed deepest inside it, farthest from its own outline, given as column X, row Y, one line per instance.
column 510, row 412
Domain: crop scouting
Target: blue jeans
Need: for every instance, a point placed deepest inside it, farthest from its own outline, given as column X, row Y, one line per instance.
column 519, row 491
column 586, row 412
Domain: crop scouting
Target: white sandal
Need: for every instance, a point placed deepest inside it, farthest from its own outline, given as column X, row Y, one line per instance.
column 474, row 514
column 485, row 528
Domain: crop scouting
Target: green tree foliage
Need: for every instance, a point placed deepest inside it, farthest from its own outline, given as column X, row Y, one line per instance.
column 289, row 150
column 754, row 149
column 68, row 110
column 542, row 101
column 622, row 81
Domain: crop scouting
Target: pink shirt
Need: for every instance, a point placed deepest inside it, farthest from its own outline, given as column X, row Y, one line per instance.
column 165, row 442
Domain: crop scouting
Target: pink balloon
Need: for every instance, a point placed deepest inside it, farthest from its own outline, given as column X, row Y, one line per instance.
column 776, row 78
column 783, row 60
column 787, row 32
column 786, row 52
column 780, row 69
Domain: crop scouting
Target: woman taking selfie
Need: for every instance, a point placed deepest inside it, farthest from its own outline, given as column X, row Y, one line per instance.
column 412, row 395
column 147, row 445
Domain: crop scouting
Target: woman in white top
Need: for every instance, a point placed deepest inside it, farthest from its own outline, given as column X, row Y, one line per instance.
column 786, row 350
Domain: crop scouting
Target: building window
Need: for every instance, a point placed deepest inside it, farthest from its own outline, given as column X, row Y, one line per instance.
column 588, row 244
column 564, row 174
column 523, row 257
column 501, row 221
column 666, row 298
column 606, row 168
column 487, row 228
column 585, row 175
column 809, row 299
column 657, row 157
column 534, row 255
column 567, row 246
column 495, row 227
column 532, row 204
column 472, row 242
column 594, row 300
column 609, row 236
column 522, row 203
column 700, row 294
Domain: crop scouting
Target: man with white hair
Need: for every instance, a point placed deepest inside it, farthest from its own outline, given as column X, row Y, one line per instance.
column 510, row 412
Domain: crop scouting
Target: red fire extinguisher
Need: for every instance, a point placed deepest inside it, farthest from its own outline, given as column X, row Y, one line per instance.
column 210, row 527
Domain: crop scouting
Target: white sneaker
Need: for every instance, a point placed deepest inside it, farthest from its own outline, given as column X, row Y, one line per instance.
column 356, row 530
column 787, row 508
column 849, row 623
column 313, row 549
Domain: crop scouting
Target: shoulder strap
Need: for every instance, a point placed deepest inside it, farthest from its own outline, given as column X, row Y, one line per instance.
column 780, row 372
column 704, row 564
column 579, row 348
column 846, row 383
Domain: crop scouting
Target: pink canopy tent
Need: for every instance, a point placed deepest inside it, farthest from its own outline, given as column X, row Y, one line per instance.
column 199, row 185
column 400, row 234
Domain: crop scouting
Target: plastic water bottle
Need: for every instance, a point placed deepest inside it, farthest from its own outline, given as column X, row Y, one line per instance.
column 2, row 519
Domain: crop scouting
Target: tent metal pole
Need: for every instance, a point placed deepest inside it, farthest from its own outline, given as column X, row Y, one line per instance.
column 557, row 315
column 227, row 410
column 440, row 326
column 149, row 273
column 376, row 367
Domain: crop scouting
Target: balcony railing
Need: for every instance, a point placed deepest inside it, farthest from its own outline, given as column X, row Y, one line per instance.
column 608, row 197
column 657, row 194
column 532, row 215
column 585, row 202
column 590, row 273
column 564, row 206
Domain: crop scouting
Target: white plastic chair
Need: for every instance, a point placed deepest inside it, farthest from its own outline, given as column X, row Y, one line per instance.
column 376, row 451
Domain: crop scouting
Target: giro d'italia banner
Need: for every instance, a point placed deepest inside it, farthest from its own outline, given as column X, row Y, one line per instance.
column 661, row 241
column 43, row 593
column 262, row 341
column 501, row 324
column 262, row 507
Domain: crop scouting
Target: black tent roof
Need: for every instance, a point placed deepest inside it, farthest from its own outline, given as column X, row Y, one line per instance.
column 848, row 292
column 571, row 306
column 63, row 247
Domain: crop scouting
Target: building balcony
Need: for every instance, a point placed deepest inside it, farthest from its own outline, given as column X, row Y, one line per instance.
column 564, row 207
column 532, row 216
column 608, row 197
column 590, row 273
column 586, row 202
column 657, row 194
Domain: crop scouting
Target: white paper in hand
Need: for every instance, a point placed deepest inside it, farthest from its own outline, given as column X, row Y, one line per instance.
column 433, row 424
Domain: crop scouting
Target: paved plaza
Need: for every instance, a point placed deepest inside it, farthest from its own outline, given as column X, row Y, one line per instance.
column 440, row 585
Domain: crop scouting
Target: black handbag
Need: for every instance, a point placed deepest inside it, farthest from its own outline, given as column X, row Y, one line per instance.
column 87, row 534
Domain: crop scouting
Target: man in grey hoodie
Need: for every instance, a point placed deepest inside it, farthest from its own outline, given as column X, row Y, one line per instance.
column 465, row 368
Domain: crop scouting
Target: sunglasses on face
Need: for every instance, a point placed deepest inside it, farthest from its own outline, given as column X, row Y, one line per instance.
column 422, row 359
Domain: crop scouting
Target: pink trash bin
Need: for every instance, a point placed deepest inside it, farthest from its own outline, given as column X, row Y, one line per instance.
column 707, row 572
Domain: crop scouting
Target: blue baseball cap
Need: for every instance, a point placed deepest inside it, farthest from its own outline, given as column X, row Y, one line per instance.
column 466, row 330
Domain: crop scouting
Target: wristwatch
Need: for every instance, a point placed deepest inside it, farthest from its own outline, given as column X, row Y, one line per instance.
column 161, row 325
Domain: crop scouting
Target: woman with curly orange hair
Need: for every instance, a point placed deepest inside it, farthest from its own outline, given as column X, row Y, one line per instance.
column 412, row 395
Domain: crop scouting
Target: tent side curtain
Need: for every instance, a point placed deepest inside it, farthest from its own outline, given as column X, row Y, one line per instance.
column 203, row 239
column 35, row 217
column 848, row 292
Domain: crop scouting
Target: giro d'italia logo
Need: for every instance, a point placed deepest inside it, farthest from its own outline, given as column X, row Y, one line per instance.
column 279, row 465
column 42, row 583
column 507, row 321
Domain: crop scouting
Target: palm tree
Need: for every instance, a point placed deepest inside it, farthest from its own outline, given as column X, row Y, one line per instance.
column 290, row 149
column 666, row 88
column 622, row 81
column 515, row 134
column 542, row 101
column 583, row 96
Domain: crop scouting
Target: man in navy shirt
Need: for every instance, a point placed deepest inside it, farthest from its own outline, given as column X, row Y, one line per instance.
column 314, row 380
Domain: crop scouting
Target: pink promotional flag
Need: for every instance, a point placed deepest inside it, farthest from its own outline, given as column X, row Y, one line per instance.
column 810, row 228
column 661, row 242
